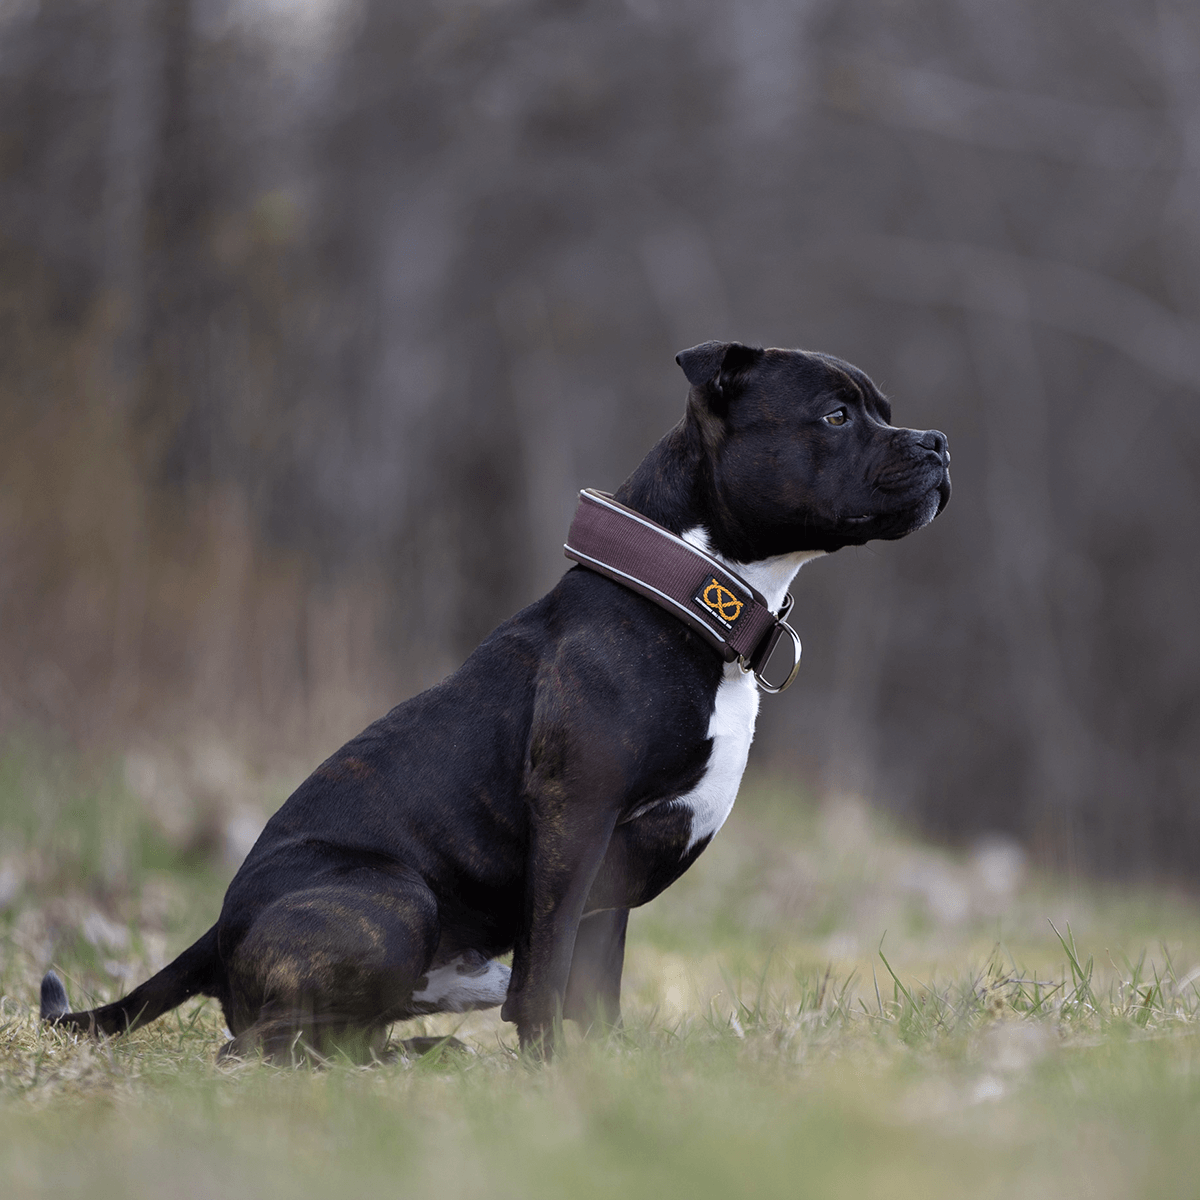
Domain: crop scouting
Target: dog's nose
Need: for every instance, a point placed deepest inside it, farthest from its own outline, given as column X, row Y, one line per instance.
column 935, row 440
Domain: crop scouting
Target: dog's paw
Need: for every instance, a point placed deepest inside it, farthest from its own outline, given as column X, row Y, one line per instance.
column 467, row 982
column 417, row 1047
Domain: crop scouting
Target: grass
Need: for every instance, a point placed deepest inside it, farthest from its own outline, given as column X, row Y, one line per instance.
column 821, row 1007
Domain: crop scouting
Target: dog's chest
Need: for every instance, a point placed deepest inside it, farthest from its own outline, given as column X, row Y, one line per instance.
column 731, row 728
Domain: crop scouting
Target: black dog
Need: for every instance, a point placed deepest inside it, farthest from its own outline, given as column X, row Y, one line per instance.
column 573, row 767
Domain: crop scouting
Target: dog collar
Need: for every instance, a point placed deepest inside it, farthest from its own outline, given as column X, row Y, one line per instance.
column 730, row 615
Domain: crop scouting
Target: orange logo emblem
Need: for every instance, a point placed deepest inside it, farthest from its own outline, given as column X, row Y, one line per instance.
column 723, row 602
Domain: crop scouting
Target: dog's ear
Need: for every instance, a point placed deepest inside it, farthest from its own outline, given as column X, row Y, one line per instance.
column 701, row 363
column 716, row 367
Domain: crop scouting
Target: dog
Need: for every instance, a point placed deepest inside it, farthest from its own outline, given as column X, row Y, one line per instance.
column 577, row 764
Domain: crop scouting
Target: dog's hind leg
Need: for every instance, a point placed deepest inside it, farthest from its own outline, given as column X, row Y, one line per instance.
column 325, row 969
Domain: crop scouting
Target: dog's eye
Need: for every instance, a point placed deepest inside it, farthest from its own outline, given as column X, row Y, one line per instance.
column 836, row 418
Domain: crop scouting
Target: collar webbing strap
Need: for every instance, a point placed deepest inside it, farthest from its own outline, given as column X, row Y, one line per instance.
column 733, row 617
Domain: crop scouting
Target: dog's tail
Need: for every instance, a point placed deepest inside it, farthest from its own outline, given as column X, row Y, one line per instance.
column 196, row 971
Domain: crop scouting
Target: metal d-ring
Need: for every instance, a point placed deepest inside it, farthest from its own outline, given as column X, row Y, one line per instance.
column 770, row 688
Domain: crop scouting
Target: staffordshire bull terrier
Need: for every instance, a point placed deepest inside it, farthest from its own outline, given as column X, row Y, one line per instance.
column 578, row 762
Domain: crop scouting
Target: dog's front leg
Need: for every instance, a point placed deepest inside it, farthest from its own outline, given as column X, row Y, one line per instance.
column 594, row 989
column 565, row 852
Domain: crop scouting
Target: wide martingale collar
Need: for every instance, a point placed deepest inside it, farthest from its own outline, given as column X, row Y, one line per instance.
column 733, row 617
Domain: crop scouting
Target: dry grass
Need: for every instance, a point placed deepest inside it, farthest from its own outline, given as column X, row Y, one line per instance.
column 821, row 1007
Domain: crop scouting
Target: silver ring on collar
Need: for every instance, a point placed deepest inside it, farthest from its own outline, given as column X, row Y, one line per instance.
column 773, row 689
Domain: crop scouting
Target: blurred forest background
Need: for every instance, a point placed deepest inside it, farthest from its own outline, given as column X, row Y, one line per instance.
column 315, row 314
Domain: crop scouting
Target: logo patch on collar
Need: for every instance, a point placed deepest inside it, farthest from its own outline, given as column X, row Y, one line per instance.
column 718, row 601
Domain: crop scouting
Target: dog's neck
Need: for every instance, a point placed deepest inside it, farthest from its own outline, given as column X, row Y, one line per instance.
column 770, row 576
column 669, row 483
column 673, row 487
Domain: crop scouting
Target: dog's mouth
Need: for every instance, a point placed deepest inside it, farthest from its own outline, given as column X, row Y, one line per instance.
column 943, row 492
column 897, row 522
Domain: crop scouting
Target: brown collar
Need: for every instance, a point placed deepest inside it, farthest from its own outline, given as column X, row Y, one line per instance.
column 733, row 617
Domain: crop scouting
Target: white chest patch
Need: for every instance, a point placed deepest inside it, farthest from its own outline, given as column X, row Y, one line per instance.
column 731, row 728
column 735, row 709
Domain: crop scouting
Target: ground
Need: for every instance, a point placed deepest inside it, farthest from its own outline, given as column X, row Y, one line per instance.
column 823, row 1006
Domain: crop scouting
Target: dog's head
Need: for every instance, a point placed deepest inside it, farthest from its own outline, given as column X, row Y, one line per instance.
column 803, row 454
